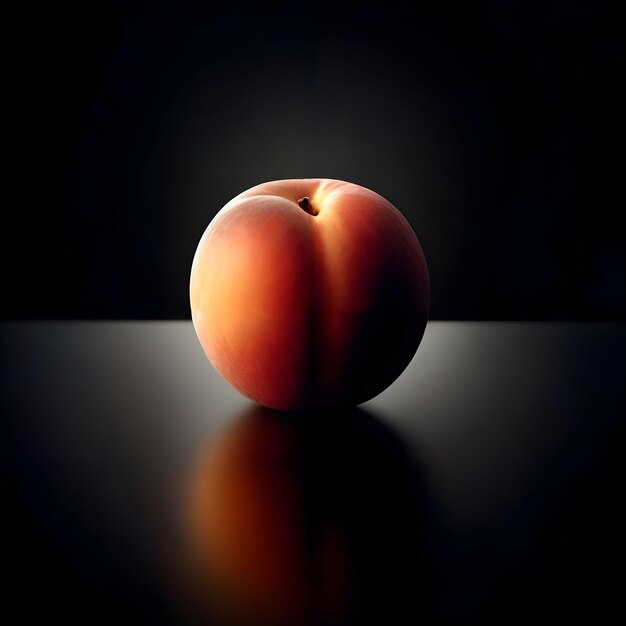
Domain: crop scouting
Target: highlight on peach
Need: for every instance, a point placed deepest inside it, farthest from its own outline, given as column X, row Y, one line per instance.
column 309, row 293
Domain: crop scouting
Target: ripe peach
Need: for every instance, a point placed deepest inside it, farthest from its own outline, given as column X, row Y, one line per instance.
column 310, row 292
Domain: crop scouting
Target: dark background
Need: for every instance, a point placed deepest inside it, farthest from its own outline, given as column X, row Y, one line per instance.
column 495, row 127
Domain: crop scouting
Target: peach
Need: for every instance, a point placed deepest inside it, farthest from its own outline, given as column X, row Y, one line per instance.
column 310, row 292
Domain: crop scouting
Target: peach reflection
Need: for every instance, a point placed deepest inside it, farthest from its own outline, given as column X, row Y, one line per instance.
column 297, row 519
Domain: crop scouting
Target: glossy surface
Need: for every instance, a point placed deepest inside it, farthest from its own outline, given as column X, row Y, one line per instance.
column 483, row 487
column 316, row 307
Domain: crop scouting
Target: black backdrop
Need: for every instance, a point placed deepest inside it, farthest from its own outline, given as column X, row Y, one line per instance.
column 495, row 127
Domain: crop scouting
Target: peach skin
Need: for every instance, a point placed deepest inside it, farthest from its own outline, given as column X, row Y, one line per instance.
column 309, row 293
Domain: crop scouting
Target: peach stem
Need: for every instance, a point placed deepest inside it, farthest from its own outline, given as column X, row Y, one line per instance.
column 305, row 203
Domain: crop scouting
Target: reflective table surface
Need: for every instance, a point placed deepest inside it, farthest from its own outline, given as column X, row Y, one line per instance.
column 483, row 487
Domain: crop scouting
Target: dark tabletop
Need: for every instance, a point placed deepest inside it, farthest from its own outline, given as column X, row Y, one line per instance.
column 484, row 486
